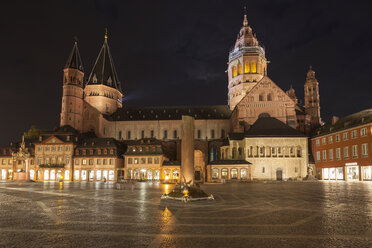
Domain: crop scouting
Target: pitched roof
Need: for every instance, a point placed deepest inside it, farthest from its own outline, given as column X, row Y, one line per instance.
column 74, row 60
column 271, row 127
column 353, row 120
column 104, row 71
column 170, row 113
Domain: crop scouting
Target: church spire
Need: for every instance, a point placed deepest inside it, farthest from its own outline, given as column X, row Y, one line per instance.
column 245, row 21
column 74, row 60
column 104, row 71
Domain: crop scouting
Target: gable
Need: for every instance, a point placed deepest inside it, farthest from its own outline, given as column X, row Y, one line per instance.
column 266, row 87
column 52, row 140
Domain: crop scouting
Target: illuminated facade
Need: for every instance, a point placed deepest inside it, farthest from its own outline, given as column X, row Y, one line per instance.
column 343, row 148
column 96, row 107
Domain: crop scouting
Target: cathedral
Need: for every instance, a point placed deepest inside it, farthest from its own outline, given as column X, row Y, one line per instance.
column 262, row 134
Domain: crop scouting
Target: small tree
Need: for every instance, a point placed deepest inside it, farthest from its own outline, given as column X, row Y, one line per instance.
column 32, row 133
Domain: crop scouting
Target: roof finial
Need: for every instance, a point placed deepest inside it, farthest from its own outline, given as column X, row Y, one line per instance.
column 245, row 22
column 106, row 35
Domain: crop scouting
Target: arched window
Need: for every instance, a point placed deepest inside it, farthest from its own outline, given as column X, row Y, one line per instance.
column 175, row 134
column 120, row 135
column 260, row 98
column 243, row 174
column 240, row 151
column 234, row 153
column 269, row 97
column 253, row 67
column 152, row 133
column 240, row 69
column 234, row 173
column 165, row 134
column 224, row 173
column 215, row 173
column 233, row 71
column 299, row 152
column 246, row 67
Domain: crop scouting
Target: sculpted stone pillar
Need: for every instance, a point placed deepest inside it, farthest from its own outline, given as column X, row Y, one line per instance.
column 187, row 149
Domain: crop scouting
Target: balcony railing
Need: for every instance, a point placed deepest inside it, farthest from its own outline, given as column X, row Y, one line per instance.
column 52, row 165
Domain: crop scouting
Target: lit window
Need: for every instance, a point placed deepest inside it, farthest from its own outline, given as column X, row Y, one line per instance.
column 365, row 150
column 253, row 68
column 215, row 173
column 84, row 161
column 104, row 161
column 111, row 161
column 98, row 161
column 363, row 131
column 355, row 151
column 346, row 152
column 246, row 67
column 234, row 173
column 243, row 174
column 90, row 161
column 338, row 153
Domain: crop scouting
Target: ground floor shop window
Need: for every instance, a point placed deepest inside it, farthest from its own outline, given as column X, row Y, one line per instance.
column 325, row 173
column 340, row 173
column 111, row 175
column 67, row 175
column 52, row 175
column 176, row 174
column 105, row 175
column 167, row 174
column 3, row 174
column 224, row 173
column 352, row 173
column 367, row 173
column 234, row 173
column 98, row 175
column 46, row 175
column 215, row 173
column 156, row 175
column 243, row 174
column 32, row 174
column 332, row 173
column 76, row 175
column 84, row 175
column 136, row 174
column 149, row 175
column 130, row 176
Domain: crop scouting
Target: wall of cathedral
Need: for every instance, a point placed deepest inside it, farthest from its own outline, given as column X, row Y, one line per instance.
column 162, row 129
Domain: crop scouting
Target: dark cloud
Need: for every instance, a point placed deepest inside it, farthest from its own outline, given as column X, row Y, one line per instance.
column 175, row 52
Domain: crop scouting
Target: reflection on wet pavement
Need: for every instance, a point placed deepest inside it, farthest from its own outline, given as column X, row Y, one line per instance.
column 77, row 214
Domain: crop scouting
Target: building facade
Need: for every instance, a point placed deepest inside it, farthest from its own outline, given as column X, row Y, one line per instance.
column 110, row 151
column 342, row 148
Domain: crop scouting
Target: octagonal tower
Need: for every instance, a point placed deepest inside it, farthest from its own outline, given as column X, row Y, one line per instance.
column 247, row 64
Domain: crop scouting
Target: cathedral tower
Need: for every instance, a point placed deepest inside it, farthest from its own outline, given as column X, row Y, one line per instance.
column 312, row 106
column 72, row 96
column 103, row 90
column 247, row 64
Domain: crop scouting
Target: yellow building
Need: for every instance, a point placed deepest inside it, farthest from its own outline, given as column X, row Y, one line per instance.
column 145, row 160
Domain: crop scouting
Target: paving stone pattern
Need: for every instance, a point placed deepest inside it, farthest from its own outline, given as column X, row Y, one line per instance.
column 313, row 214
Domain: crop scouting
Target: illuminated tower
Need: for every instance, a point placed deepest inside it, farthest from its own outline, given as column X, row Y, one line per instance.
column 247, row 64
column 312, row 106
column 72, row 97
column 103, row 90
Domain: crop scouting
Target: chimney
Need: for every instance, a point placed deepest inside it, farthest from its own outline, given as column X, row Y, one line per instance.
column 335, row 119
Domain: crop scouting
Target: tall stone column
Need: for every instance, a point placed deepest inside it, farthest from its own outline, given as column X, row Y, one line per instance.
column 187, row 148
column 27, row 169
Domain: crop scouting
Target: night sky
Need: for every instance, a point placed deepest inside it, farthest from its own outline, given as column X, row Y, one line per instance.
column 175, row 52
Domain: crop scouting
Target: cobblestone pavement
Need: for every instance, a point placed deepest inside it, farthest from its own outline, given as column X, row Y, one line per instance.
column 313, row 214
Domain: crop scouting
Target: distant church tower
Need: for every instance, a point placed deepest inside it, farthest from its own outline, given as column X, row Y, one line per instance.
column 247, row 64
column 312, row 106
column 103, row 90
column 72, row 97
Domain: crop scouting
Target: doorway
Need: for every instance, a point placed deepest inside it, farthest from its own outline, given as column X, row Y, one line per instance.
column 279, row 175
